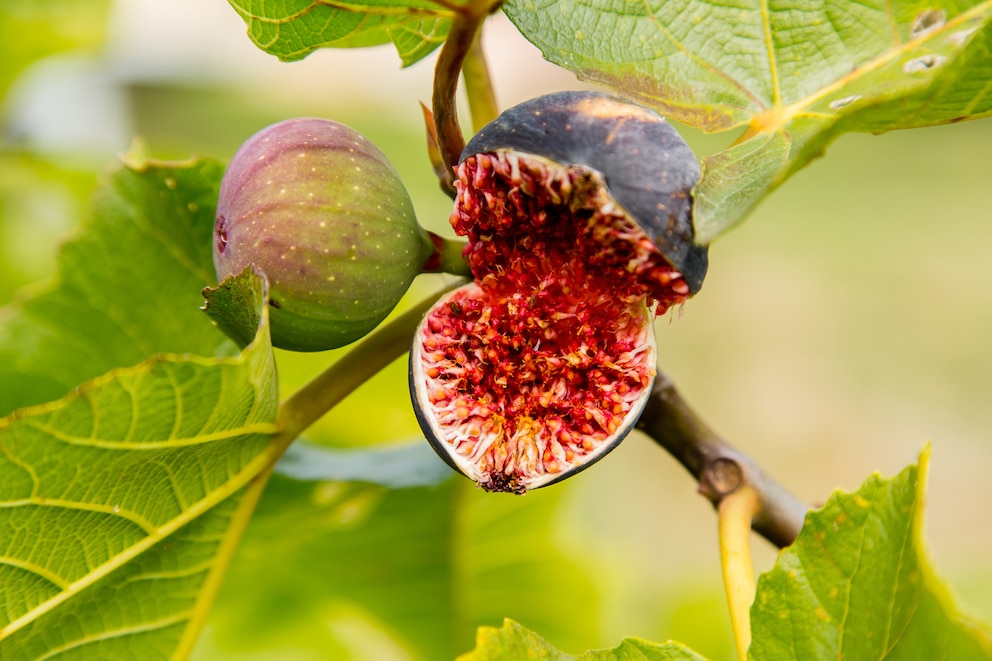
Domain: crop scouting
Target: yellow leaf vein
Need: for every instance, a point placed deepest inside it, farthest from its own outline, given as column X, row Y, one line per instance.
column 36, row 569
column 265, row 428
column 116, row 633
column 114, row 510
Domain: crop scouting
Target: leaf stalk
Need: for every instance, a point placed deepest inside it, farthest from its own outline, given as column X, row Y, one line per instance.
column 735, row 514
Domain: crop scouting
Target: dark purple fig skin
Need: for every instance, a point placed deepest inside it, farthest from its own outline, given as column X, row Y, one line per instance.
column 648, row 167
column 322, row 212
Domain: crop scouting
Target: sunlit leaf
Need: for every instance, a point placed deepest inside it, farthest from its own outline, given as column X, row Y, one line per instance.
column 514, row 641
column 119, row 495
column 128, row 286
column 118, row 501
column 857, row 585
column 796, row 75
column 292, row 29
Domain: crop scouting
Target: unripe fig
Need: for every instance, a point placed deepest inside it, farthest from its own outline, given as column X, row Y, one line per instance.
column 323, row 213
column 577, row 211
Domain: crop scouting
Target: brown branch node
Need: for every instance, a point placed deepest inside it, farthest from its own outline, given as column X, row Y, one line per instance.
column 721, row 477
column 720, row 468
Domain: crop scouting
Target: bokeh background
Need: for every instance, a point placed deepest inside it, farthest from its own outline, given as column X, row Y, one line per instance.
column 844, row 326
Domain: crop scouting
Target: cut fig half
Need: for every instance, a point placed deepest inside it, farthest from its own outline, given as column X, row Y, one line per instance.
column 577, row 212
column 521, row 425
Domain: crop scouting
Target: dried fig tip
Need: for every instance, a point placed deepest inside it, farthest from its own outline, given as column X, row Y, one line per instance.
column 517, row 397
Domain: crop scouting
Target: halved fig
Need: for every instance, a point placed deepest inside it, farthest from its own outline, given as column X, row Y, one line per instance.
column 577, row 211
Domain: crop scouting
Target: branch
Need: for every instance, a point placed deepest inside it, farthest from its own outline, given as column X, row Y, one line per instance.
column 461, row 37
column 719, row 468
column 372, row 354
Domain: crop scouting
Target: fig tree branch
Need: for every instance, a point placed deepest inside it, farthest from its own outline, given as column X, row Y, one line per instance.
column 464, row 28
column 720, row 468
column 370, row 355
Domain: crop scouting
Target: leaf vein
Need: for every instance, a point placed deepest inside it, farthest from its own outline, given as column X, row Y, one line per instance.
column 23, row 465
column 186, row 572
column 890, row 641
column 143, row 446
column 113, row 510
column 766, row 28
column 116, row 633
column 36, row 569
column 842, row 625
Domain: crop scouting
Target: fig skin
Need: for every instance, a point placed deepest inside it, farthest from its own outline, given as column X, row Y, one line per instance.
column 647, row 166
column 323, row 213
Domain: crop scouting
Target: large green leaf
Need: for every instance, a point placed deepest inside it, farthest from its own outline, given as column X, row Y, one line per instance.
column 115, row 500
column 128, row 286
column 121, row 502
column 796, row 74
column 857, row 585
column 514, row 641
column 292, row 29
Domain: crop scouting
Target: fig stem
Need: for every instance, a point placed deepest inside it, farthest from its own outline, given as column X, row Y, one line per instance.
column 464, row 27
column 447, row 256
column 735, row 514
column 720, row 468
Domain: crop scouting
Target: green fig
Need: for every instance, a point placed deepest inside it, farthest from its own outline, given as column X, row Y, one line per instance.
column 323, row 214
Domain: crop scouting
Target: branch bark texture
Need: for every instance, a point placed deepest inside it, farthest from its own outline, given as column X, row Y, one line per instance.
column 720, row 468
column 462, row 43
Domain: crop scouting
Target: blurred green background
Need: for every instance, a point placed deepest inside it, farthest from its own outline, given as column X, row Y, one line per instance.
column 843, row 327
